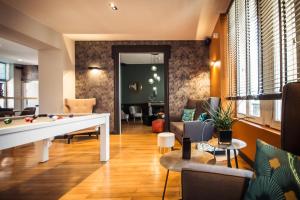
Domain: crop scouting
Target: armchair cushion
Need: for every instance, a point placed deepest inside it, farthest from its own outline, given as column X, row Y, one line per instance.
column 277, row 174
column 198, row 105
column 188, row 114
column 203, row 116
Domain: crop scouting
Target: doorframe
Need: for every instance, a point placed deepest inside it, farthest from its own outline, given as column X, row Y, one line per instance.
column 116, row 50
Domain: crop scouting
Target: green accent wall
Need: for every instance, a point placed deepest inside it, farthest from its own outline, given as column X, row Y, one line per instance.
column 141, row 73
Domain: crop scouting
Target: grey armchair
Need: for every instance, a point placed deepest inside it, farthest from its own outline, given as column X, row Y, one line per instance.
column 212, row 182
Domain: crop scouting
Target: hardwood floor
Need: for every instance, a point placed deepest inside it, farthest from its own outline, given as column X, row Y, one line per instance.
column 74, row 170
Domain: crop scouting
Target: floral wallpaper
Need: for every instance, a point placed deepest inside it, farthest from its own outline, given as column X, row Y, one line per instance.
column 188, row 72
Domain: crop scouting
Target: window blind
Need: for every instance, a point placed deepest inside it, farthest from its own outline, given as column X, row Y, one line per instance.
column 263, row 47
column 270, row 47
column 241, row 48
column 252, row 47
column 231, row 59
column 290, row 10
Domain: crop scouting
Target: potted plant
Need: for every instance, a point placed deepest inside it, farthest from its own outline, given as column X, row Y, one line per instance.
column 222, row 118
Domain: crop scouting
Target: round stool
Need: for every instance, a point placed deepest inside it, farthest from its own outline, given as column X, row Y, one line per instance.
column 165, row 140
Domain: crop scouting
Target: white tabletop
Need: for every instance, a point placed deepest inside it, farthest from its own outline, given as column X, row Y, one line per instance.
column 235, row 144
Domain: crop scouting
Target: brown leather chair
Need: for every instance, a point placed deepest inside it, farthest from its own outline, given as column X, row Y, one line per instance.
column 290, row 126
column 210, row 182
column 28, row 111
column 6, row 112
column 80, row 106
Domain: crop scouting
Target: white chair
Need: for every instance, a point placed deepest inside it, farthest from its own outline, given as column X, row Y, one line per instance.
column 136, row 112
column 124, row 116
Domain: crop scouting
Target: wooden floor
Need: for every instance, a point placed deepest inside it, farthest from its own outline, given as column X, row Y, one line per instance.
column 74, row 170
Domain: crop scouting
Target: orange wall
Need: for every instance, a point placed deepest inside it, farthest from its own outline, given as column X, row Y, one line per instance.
column 214, row 55
column 249, row 132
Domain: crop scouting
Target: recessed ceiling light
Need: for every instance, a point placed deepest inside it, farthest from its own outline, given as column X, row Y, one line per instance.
column 113, row 6
column 20, row 60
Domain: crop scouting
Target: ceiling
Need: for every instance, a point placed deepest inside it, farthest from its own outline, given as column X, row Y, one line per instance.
column 11, row 52
column 141, row 58
column 134, row 19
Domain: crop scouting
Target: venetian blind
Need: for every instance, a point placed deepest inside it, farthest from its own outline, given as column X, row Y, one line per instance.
column 270, row 82
column 263, row 47
column 231, row 59
column 252, row 47
column 290, row 18
column 241, row 48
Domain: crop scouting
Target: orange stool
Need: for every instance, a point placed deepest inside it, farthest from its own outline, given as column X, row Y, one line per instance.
column 158, row 125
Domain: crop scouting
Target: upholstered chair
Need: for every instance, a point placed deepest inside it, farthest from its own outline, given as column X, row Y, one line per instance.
column 124, row 116
column 28, row 111
column 290, row 125
column 80, row 106
column 136, row 112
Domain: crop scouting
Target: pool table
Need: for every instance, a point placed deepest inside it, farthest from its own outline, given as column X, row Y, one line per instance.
column 22, row 131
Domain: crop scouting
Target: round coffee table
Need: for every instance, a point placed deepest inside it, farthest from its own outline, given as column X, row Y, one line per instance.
column 235, row 145
column 173, row 161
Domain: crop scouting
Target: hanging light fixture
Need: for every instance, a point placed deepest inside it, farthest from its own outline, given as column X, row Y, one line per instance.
column 150, row 81
column 153, row 68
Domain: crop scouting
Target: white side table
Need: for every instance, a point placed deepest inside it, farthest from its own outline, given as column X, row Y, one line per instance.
column 165, row 140
column 235, row 145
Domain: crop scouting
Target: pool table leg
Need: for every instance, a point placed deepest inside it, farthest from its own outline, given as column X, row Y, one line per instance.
column 42, row 148
column 104, row 140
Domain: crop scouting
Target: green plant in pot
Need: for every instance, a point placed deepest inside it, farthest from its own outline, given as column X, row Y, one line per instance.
column 222, row 118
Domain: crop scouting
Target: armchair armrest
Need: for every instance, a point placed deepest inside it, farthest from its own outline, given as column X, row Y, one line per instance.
column 175, row 118
column 198, row 131
column 200, row 181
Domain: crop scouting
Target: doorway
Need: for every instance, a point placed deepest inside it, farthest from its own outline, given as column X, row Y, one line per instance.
column 118, row 51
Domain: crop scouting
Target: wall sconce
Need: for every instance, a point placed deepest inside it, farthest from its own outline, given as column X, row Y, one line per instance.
column 97, row 67
column 215, row 63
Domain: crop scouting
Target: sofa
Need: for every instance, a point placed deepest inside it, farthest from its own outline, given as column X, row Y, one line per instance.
column 196, row 130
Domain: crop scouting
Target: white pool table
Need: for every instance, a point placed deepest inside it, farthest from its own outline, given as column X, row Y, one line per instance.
column 20, row 132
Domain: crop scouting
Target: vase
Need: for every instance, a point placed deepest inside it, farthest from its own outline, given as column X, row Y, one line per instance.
column 225, row 137
column 186, row 149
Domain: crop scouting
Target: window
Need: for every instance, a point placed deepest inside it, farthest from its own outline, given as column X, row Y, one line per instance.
column 30, row 91
column 5, row 75
column 2, row 71
column 263, row 55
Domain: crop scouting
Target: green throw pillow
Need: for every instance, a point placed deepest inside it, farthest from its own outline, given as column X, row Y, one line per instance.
column 277, row 174
column 188, row 115
column 202, row 117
